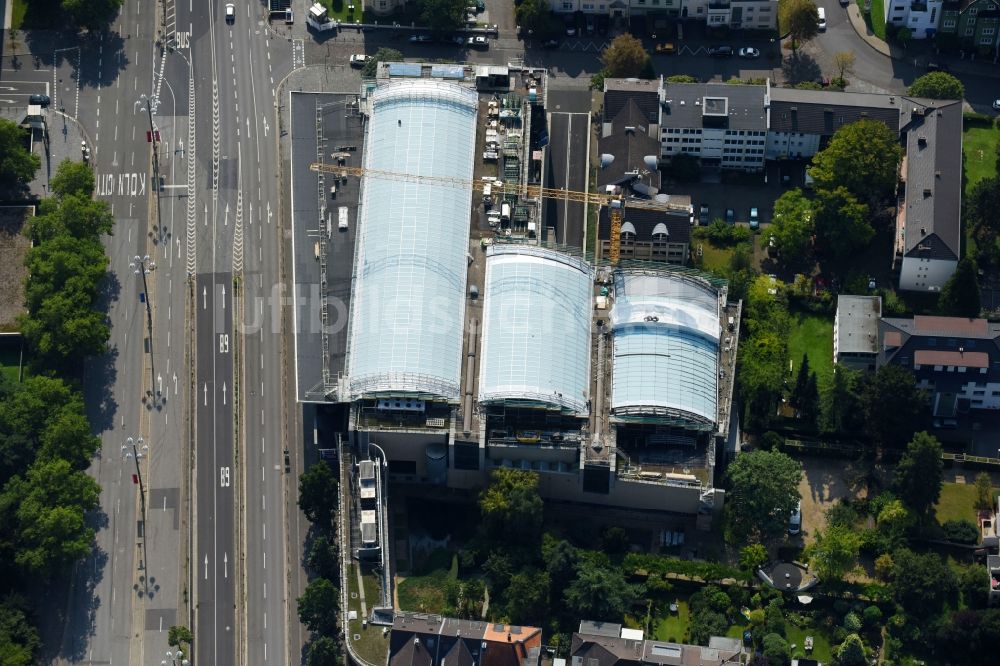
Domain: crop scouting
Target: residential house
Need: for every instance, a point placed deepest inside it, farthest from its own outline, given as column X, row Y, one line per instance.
column 920, row 17
column 928, row 215
column 956, row 360
column 993, row 566
column 801, row 122
column 418, row 639
column 855, row 331
column 745, row 14
column 585, row 6
column 974, row 22
column 607, row 644
column 723, row 125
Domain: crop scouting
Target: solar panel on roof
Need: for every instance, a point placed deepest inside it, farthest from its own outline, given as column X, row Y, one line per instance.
column 448, row 72
column 404, row 69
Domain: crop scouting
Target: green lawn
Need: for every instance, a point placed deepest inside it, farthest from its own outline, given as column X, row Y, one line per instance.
column 19, row 9
column 980, row 147
column 812, row 335
column 424, row 591
column 371, row 644
column 957, row 502
column 713, row 258
column 9, row 358
column 673, row 627
column 877, row 18
column 797, row 637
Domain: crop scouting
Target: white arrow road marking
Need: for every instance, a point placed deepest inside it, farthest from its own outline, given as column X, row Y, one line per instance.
column 175, row 383
column 269, row 212
column 206, row 214
column 206, row 566
column 223, row 297
column 204, row 298
column 225, row 565
column 206, row 394
column 225, row 220
column 159, row 383
column 223, row 393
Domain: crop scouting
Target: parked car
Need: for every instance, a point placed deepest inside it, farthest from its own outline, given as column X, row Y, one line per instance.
column 230, row 13
column 479, row 42
column 420, row 39
column 570, row 25
column 41, row 100
column 730, row 216
column 359, row 59
column 996, row 104
column 933, row 66
column 703, row 216
column 754, row 219
column 795, row 521
column 667, row 48
column 720, row 51
column 590, row 24
column 550, row 44
column 822, row 19
column 749, row 52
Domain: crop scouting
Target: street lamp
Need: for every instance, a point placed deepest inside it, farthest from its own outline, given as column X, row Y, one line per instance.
column 135, row 449
column 143, row 266
column 148, row 102
column 175, row 658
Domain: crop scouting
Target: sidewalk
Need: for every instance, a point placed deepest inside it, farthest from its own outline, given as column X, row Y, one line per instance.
column 917, row 52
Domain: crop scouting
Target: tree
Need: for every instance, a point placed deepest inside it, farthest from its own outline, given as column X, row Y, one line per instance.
column 624, row 57
column 323, row 651
column 318, row 494
column 798, row 19
column 17, row 164
column 74, row 214
column 852, row 652
column 842, row 226
column 92, row 14
column 511, row 507
column 974, row 584
column 323, row 558
column 535, row 17
column 682, row 78
column 840, row 401
column 937, row 85
column 809, row 401
column 442, row 15
column 600, row 592
column 179, row 636
column 984, row 492
column 894, row 522
column 923, row 583
column 752, row 557
column 18, row 637
column 960, row 295
column 775, row 649
column 764, row 491
column 561, row 560
column 318, row 607
column 30, row 414
column 835, row 552
column 920, row 473
column 382, row 55
column 980, row 211
column 893, row 406
column 843, row 61
column 47, row 508
column 863, row 157
column 528, row 597
column 72, row 178
column 792, row 228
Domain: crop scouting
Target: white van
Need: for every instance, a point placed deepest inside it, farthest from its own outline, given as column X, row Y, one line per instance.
column 795, row 520
column 342, row 218
column 822, row 19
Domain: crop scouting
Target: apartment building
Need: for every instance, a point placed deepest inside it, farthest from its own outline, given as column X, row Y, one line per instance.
column 920, row 17
column 855, row 331
column 956, row 360
column 974, row 22
column 723, row 125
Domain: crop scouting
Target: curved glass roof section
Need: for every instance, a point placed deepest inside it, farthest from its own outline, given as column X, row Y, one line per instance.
column 410, row 266
column 536, row 328
column 666, row 347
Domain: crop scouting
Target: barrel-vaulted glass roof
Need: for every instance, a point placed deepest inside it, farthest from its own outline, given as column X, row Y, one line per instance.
column 410, row 267
column 666, row 331
column 536, row 328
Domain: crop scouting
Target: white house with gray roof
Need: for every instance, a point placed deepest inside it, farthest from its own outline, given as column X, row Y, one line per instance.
column 855, row 331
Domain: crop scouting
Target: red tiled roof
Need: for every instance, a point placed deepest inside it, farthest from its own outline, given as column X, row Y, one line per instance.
column 955, row 326
column 893, row 338
column 959, row 359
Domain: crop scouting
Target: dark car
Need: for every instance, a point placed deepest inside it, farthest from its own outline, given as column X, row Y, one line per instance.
column 937, row 67
column 703, row 215
column 730, row 216
column 720, row 51
column 550, row 44
column 420, row 39
column 42, row 100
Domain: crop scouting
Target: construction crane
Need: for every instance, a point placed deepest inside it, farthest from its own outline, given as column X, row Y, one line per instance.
column 613, row 198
